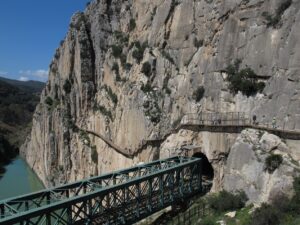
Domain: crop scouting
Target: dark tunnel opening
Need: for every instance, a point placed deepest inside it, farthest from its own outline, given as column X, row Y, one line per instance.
column 207, row 169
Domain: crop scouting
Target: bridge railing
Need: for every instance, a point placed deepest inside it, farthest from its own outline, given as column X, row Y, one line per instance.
column 121, row 197
column 215, row 119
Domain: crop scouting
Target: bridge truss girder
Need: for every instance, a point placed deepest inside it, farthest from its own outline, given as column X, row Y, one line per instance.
column 123, row 197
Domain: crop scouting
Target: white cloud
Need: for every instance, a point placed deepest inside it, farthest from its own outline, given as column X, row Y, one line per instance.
column 23, row 78
column 3, row 73
column 42, row 74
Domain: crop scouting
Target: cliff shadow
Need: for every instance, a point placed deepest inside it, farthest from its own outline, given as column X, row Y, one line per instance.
column 207, row 171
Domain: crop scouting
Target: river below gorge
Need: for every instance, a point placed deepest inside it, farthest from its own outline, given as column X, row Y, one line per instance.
column 18, row 179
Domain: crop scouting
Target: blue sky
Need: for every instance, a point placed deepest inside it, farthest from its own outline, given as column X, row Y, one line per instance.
column 30, row 31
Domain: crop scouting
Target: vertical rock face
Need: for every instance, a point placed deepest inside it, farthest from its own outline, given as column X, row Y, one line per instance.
column 129, row 70
column 247, row 170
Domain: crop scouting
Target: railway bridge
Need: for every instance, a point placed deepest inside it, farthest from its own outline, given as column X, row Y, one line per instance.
column 121, row 197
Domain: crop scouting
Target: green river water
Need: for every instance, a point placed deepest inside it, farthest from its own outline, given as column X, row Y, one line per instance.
column 18, row 179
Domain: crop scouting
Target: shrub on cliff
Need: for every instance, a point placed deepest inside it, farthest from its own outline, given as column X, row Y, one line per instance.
column 116, row 50
column 266, row 215
column 272, row 162
column 224, row 201
column 132, row 24
column 146, row 88
column 49, row 101
column 138, row 52
column 198, row 93
column 67, row 86
column 111, row 94
column 146, row 69
column 244, row 80
column 274, row 20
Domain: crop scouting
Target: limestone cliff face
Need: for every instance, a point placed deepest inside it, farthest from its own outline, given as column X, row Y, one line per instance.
column 129, row 70
column 246, row 168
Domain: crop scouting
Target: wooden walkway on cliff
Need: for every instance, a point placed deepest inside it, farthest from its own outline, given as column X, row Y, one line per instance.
column 229, row 122
column 232, row 122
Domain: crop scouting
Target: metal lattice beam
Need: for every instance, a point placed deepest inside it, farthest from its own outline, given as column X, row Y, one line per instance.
column 122, row 197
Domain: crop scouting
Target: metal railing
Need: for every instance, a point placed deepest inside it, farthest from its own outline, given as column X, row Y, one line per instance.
column 121, row 197
column 216, row 119
column 237, row 119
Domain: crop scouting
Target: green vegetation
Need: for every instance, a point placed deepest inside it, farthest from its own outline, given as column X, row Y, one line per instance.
column 67, row 86
column 244, row 80
column 115, row 67
column 201, row 213
column 212, row 208
column 282, row 211
column 166, row 84
column 127, row 66
column 68, row 121
column 17, row 104
column 198, row 43
column 49, row 101
column 51, row 104
column 266, row 214
column 102, row 109
column 146, row 88
column 121, row 37
column 111, row 94
column 274, row 20
column 226, row 201
column 132, row 24
column 167, row 56
column 198, row 94
column 116, row 50
column 272, row 162
column 154, row 113
column 139, row 50
column 84, row 138
column 146, row 69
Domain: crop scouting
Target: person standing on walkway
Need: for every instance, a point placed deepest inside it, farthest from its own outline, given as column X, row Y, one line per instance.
column 286, row 120
column 274, row 122
column 254, row 119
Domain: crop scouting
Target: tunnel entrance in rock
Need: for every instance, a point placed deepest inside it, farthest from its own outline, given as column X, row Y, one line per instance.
column 207, row 169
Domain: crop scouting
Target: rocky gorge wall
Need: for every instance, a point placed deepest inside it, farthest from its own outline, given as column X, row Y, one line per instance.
column 130, row 70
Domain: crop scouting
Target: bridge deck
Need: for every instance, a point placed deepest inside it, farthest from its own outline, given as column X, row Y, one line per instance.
column 122, row 197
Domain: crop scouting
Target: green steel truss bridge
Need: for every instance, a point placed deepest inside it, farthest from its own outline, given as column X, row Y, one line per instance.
column 121, row 197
